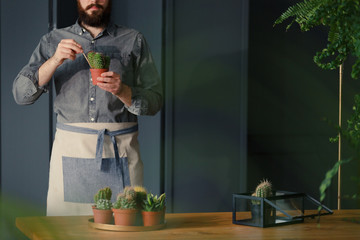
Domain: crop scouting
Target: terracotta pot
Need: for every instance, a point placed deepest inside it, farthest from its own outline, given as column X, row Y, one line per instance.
column 152, row 218
column 125, row 217
column 95, row 73
column 103, row 216
column 139, row 219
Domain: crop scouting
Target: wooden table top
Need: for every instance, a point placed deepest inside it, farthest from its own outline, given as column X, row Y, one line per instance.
column 216, row 225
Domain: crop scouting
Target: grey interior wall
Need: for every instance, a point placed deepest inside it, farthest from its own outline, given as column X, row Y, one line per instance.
column 24, row 129
column 209, row 92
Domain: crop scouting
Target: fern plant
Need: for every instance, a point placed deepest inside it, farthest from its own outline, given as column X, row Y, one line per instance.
column 341, row 18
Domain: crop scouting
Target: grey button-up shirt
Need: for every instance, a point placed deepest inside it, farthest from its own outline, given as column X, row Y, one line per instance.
column 77, row 99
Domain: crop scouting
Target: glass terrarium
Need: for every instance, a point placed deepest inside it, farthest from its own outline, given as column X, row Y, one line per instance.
column 282, row 208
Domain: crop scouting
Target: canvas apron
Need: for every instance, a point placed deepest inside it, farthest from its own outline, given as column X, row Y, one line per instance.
column 89, row 156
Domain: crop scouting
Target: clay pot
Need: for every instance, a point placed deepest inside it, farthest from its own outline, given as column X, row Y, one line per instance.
column 103, row 216
column 152, row 218
column 125, row 217
column 95, row 73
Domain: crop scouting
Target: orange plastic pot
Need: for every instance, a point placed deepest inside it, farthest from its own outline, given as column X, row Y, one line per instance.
column 125, row 217
column 152, row 218
column 103, row 216
column 95, row 73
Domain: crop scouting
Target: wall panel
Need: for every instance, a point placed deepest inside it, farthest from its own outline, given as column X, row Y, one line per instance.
column 24, row 129
column 209, row 104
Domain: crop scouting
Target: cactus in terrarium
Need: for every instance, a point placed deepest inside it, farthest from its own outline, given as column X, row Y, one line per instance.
column 103, row 204
column 104, row 193
column 98, row 60
column 263, row 190
column 126, row 199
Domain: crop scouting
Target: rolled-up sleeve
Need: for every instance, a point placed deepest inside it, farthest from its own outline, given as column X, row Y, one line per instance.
column 147, row 95
column 26, row 89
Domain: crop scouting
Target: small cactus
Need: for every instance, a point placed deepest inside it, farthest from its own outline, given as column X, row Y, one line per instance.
column 126, row 199
column 103, row 204
column 140, row 196
column 104, row 193
column 263, row 190
column 98, row 60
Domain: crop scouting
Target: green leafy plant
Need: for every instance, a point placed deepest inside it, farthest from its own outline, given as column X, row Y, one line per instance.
column 351, row 134
column 98, row 60
column 154, row 203
column 341, row 18
column 126, row 199
column 263, row 190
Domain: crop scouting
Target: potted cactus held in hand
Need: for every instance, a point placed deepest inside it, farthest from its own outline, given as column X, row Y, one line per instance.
column 102, row 208
column 263, row 190
column 125, row 208
column 153, row 210
column 99, row 63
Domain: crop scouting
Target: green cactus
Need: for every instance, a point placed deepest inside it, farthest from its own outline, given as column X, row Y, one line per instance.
column 140, row 196
column 126, row 199
column 104, row 193
column 98, row 60
column 103, row 204
column 154, row 203
column 263, row 190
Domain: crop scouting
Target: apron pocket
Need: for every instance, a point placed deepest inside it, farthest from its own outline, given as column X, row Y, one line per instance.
column 83, row 177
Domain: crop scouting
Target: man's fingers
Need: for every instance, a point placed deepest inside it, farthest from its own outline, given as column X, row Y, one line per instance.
column 109, row 74
column 71, row 44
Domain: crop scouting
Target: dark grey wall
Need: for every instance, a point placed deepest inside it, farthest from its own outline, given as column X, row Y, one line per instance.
column 24, row 130
column 208, row 70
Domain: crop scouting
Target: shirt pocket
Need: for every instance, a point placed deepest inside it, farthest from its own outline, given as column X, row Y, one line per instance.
column 123, row 64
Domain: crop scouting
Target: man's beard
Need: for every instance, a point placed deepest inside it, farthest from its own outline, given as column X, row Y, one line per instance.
column 99, row 18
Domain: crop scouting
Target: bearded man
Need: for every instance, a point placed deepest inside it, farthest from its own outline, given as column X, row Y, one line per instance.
column 95, row 143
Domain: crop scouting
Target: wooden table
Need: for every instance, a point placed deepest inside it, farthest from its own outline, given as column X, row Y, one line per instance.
column 196, row 226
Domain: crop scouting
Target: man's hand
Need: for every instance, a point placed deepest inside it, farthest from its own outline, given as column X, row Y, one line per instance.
column 66, row 49
column 111, row 82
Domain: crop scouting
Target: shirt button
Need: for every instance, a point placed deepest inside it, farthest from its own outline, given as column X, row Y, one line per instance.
column 92, row 119
column 92, row 41
column 92, row 99
column 80, row 33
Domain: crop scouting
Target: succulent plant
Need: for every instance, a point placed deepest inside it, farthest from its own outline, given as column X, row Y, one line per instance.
column 154, row 203
column 104, row 193
column 98, row 60
column 126, row 199
column 103, row 204
column 263, row 190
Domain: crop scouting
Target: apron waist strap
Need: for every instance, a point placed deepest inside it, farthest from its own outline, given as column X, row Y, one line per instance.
column 100, row 140
column 84, row 130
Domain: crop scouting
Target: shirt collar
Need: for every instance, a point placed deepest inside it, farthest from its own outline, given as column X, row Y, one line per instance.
column 110, row 29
